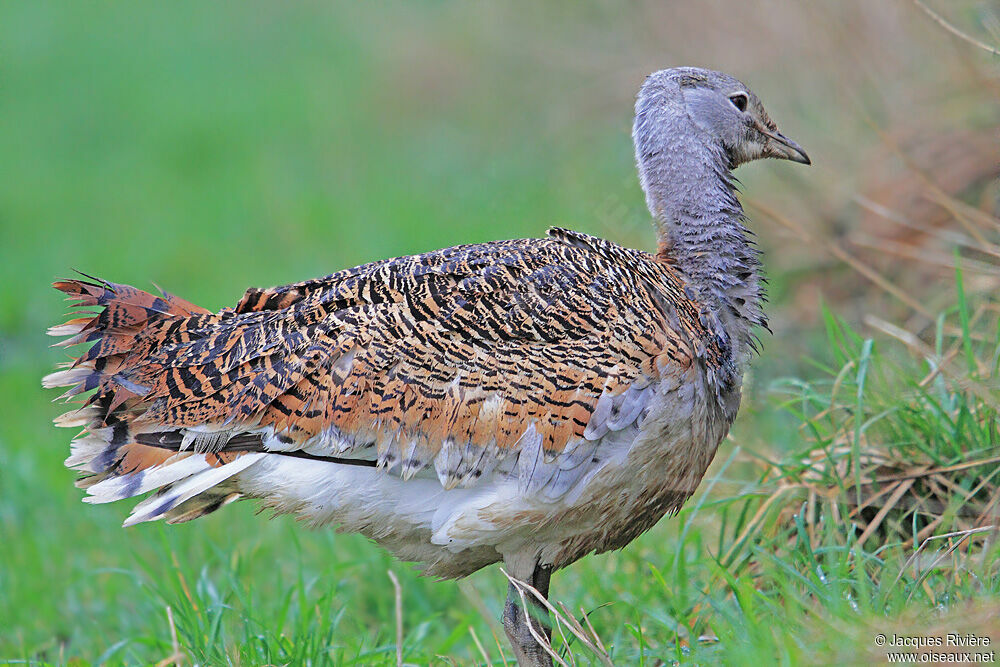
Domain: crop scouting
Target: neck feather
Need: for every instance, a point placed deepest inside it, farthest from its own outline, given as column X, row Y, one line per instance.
column 699, row 222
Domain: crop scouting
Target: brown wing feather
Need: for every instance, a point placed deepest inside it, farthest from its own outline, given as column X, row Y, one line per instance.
column 468, row 347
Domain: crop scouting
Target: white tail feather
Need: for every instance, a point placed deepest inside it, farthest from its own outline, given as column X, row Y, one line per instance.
column 80, row 417
column 83, row 450
column 66, row 378
column 138, row 483
column 69, row 329
column 158, row 505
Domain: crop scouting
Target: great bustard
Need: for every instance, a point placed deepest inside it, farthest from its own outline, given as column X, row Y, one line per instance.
column 530, row 401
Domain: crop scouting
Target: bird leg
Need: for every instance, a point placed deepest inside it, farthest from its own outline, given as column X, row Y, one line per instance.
column 527, row 649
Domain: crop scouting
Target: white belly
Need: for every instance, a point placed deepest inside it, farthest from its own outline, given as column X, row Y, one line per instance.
column 632, row 479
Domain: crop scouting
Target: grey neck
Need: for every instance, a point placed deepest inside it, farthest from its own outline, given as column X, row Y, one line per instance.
column 699, row 221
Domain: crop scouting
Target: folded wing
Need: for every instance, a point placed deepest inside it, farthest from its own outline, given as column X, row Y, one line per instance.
column 512, row 357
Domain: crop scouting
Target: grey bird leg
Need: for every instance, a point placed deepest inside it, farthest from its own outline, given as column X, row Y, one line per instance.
column 528, row 651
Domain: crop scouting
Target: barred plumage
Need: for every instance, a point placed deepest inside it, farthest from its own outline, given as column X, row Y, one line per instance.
column 529, row 400
column 459, row 360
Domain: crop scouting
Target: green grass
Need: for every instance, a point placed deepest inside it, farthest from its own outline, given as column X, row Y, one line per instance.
column 211, row 148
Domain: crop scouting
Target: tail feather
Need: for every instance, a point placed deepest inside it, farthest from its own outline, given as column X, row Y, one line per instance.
column 125, row 324
column 171, row 496
column 83, row 451
column 119, row 487
column 202, row 504
column 78, row 417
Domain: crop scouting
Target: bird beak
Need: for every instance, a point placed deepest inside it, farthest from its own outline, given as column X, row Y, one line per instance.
column 783, row 148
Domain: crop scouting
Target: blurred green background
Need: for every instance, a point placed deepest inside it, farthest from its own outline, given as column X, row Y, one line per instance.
column 212, row 147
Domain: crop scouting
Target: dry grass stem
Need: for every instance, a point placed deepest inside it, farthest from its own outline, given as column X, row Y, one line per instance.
column 399, row 617
column 837, row 251
column 961, row 534
column 176, row 657
column 479, row 646
column 499, row 645
column 901, row 488
column 587, row 638
column 940, row 20
column 542, row 640
column 959, row 377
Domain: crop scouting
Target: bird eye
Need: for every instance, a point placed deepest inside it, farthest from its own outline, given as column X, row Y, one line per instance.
column 739, row 101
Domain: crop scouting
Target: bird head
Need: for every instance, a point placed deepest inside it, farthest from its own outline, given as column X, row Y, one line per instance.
column 725, row 110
